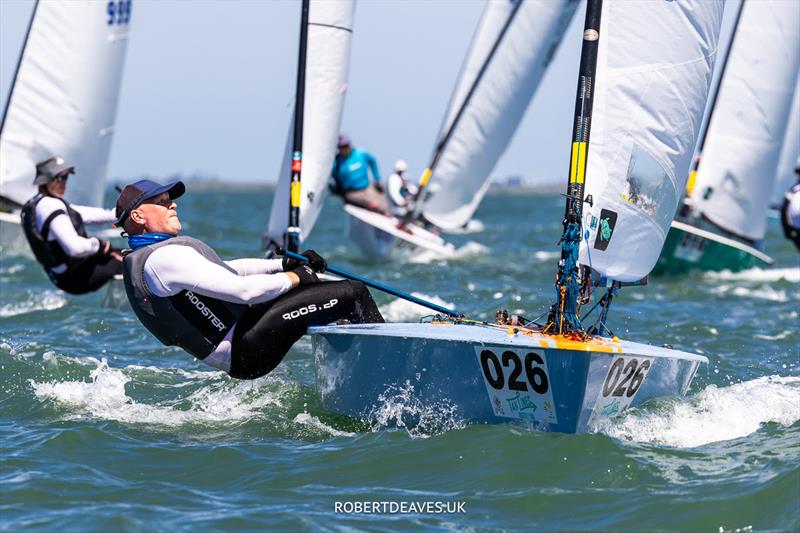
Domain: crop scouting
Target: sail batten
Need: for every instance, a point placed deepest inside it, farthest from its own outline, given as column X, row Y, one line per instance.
column 737, row 170
column 653, row 76
column 65, row 95
column 497, row 103
column 330, row 27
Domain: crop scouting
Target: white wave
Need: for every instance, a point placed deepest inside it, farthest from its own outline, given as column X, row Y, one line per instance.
column 39, row 301
column 468, row 250
column 759, row 275
column 765, row 292
column 104, row 397
column 546, row 255
column 473, row 226
column 715, row 414
column 399, row 407
column 402, row 310
column 314, row 422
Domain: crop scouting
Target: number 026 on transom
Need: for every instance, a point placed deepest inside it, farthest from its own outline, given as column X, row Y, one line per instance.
column 623, row 380
column 517, row 383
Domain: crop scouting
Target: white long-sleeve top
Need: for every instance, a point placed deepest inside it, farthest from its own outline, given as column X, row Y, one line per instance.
column 62, row 230
column 174, row 268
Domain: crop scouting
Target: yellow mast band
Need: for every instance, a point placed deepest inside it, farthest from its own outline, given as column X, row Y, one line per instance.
column 578, row 162
column 295, row 196
column 425, row 177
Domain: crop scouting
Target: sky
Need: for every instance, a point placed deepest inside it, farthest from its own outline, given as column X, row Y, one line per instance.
column 208, row 86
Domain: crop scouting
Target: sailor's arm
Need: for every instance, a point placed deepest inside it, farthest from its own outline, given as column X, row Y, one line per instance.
column 171, row 269
column 73, row 244
column 373, row 166
column 251, row 266
column 95, row 215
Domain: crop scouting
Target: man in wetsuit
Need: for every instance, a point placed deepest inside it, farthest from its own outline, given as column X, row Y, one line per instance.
column 351, row 177
column 241, row 316
column 55, row 229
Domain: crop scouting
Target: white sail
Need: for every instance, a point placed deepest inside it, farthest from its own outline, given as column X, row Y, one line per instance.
column 653, row 75
column 790, row 153
column 498, row 103
column 64, row 99
column 330, row 25
column 739, row 160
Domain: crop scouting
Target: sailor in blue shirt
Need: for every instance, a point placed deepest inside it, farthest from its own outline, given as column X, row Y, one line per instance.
column 351, row 176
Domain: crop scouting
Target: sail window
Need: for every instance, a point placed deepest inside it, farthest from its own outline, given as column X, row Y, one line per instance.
column 649, row 188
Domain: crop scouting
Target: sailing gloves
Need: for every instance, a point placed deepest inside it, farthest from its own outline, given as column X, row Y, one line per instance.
column 315, row 261
column 306, row 275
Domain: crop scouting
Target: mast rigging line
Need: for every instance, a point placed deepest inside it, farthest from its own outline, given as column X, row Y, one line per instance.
column 440, row 146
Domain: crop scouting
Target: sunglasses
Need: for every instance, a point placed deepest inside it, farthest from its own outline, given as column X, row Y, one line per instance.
column 61, row 178
column 163, row 202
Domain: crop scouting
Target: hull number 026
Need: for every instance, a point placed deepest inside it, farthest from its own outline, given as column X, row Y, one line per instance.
column 517, row 383
column 625, row 377
column 510, row 364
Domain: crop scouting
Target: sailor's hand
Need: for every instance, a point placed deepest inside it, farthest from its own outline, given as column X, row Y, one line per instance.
column 378, row 186
column 105, row 247
column 304, row 274
column 315, row 261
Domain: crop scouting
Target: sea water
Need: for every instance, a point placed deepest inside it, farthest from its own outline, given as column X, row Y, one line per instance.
column 102, row 428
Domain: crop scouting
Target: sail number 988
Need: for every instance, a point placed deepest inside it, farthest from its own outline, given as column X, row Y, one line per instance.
column 493, row 371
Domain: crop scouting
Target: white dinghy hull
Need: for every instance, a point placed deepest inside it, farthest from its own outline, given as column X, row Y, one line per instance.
column 379, row 238
column 489, row 374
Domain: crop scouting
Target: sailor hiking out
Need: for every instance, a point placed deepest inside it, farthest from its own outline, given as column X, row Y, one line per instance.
column 401, row 192
column 56, row 232
column 351, row 178
column 241, row 316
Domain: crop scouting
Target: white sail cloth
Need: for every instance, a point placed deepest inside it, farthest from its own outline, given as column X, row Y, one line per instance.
column 64, row 100
column 739, row 160
column 653, row 75
column 498, row 103
column 330, row 27
column 790, row 153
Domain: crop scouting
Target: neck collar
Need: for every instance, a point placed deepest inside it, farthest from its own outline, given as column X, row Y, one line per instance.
column 144, row 239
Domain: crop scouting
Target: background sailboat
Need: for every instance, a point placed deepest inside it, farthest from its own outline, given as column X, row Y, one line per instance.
column 725, row 223
column 321, row 87
column 63, row 100
column 790, row 152
column 644, row 79
column 509, row 54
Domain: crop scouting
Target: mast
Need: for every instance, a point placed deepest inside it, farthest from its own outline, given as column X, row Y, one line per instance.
column 713, row 103
column 563, row 317
column 293, row 231
column 11, row 89
column 440, row 146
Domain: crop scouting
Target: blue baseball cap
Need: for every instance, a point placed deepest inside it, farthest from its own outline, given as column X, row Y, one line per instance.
column 135, row 194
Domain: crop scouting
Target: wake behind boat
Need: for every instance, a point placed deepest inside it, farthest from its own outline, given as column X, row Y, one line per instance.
column 559, row 376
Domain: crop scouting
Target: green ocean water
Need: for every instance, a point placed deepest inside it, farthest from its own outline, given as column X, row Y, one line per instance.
column 104, row 429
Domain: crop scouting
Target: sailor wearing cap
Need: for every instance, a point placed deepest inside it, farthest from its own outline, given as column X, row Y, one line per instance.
column 401, row 192
column 55, row 229
column 241, row 316
column 351, row 178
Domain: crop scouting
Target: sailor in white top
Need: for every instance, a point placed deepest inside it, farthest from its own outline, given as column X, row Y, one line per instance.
column 241, row 316
column 56, row 232
column 401, row 192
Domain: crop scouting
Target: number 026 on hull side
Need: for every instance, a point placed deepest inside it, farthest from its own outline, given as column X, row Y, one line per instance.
column 490, row 376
